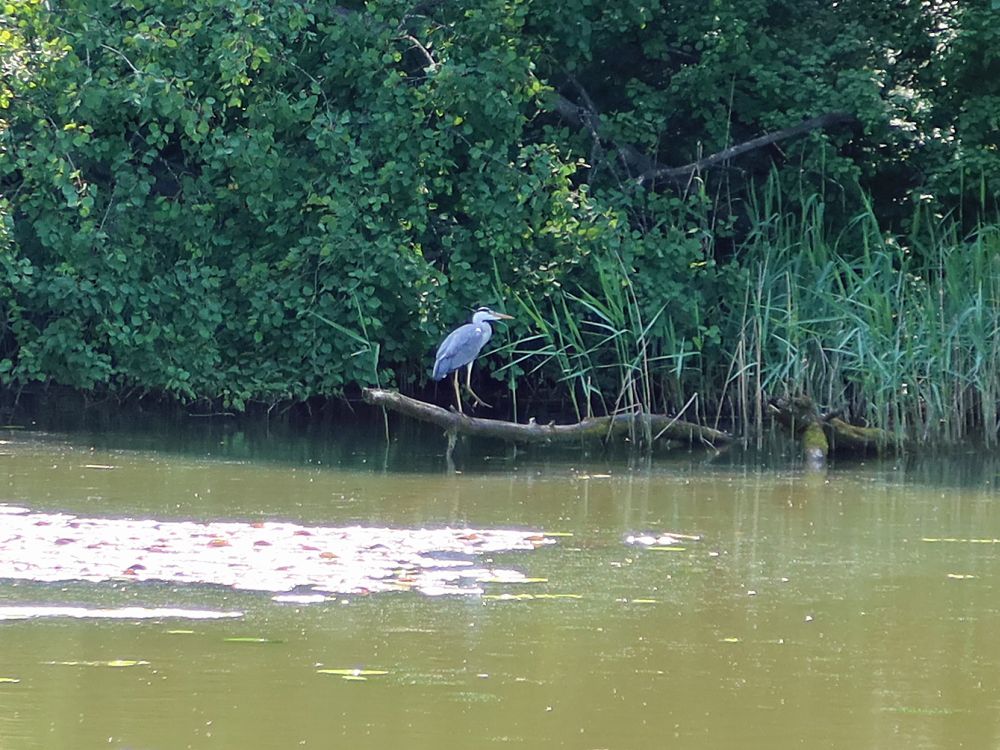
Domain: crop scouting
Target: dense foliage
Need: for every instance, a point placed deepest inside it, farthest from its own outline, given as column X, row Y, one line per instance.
column 251, row 200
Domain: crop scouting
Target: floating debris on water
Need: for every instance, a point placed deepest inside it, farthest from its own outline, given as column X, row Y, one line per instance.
column 302, row 598
column 670, row 540
column 527, row 597
column 279, row 557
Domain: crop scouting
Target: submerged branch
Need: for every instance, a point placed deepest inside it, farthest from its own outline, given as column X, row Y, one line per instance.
column 592, row 428
column 821, row 433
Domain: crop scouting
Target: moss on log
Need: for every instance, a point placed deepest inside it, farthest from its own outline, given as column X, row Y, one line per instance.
column 822, row 433
column 814, row 443
column 595, row 428
column 855, row 437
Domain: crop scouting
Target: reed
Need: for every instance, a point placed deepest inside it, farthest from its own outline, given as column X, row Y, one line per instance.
column 597, row 344
column 897, row 331
column 900, row 332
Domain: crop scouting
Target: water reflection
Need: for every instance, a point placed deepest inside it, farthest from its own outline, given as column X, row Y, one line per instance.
column 813, row 611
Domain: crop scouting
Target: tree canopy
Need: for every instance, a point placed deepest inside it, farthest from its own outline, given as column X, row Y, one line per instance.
column 260, row 201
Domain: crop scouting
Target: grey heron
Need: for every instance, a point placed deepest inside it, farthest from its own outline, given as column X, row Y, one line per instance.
column 461, row 347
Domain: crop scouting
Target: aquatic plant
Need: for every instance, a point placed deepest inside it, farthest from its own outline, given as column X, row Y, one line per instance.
column 901, row 331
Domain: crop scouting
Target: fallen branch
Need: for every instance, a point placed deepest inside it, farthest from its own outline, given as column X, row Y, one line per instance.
column 821, row 433
column 532, row 432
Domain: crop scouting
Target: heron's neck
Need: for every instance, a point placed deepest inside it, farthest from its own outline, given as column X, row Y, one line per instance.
column 487, row 330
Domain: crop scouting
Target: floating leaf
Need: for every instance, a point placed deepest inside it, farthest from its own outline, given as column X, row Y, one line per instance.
column 8, row 680
column 730, row 640
column 557, row 596
column 516, row 578
column 645, row 601
column 180, row 632
column 301, row 598
column 959, row 576
column 114, row 663
column 528, row 597
column 508, row 597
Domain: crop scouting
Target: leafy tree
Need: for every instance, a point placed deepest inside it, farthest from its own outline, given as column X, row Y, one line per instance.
column 251, row 200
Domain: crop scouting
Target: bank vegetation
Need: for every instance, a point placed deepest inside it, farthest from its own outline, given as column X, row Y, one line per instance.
column 691, row 209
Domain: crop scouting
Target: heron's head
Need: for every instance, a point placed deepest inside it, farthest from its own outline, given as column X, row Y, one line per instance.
column 485, row 313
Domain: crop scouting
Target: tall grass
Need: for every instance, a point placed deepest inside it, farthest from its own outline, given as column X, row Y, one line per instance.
column 902, row 333
column 600, row 342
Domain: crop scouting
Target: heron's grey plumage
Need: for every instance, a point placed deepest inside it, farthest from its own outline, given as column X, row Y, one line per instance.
column 462, row 346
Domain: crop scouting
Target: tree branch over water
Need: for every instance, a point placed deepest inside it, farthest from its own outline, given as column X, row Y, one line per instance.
column 660, row 425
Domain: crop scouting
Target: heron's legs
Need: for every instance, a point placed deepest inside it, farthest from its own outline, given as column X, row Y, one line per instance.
column 458, row 395
column 468, row 387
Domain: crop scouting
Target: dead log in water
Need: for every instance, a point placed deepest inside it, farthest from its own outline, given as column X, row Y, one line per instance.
column 659, row 425
column 821, row 433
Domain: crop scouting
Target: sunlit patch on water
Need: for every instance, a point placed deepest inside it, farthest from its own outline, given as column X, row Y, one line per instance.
column 120, row 613
column 265, row 556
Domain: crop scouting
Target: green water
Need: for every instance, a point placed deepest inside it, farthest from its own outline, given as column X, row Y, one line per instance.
column 813, row 612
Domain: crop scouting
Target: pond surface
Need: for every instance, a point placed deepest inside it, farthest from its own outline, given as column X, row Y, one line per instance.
column 857, row 608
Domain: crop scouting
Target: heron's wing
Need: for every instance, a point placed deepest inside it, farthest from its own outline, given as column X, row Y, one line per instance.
column 460, row 347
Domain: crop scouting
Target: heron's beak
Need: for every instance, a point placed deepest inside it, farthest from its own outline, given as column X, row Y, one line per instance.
column 502, row 316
